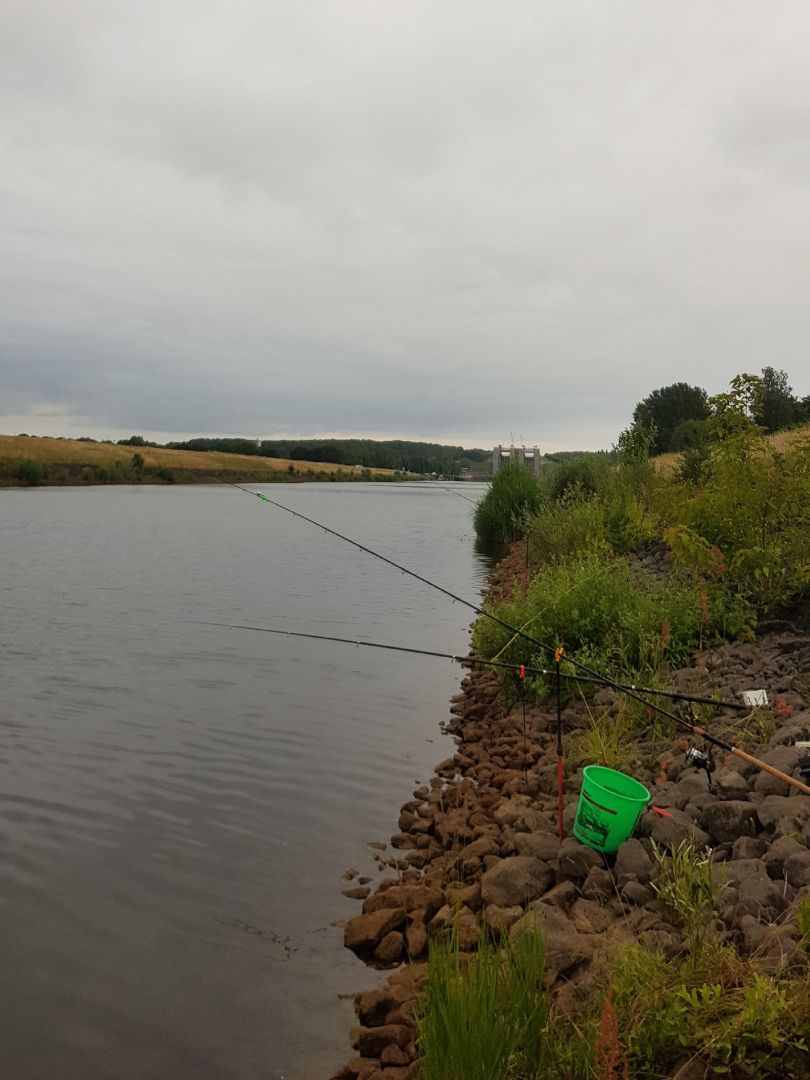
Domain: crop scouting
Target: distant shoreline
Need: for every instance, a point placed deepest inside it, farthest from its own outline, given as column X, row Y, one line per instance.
column 31, row 461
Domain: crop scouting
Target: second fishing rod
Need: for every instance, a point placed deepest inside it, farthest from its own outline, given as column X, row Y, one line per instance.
column 549, row 649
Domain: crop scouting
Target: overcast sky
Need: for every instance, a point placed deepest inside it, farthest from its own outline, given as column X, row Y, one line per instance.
column 438, row 219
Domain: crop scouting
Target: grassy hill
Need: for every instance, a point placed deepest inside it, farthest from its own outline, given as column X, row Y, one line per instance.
column 75, row 461
column 780, row 440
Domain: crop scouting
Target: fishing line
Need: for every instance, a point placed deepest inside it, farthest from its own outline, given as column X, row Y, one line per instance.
column 594, row 676
column 454, row 658
column 454, row 492
column 558, row 655
column 521, row 673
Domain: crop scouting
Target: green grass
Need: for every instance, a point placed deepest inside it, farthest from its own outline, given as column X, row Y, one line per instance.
column 484, row 1013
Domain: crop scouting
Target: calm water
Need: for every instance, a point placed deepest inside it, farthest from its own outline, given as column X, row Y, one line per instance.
column 178, row 802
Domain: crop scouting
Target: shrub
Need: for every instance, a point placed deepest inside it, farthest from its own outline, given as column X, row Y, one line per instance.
column 688, row 435
column 728, row 1019
column 568, row 528
column 594, row 608
column 584, row 475
column 502, row 514
column 32, row 473
column 754, row 506
column 608, row 740
column 686, row 889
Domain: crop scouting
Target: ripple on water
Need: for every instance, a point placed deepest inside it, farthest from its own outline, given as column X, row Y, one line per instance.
column 178, row 802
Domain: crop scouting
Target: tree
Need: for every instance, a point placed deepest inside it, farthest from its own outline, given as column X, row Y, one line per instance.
column 779, row 408
column 636, row 442
column 666, row 408
column 689, row 434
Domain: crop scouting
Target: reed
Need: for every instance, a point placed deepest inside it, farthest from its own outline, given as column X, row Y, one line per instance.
column 484, row 1013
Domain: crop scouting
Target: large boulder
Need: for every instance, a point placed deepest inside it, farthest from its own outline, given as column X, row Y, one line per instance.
column 538, row 845
column 778, row 853
column 731, row 785
column 565, row 946
column 633, row 863
column 784, row 758
column 411, row 897
column 599, row 884
column 364, row 932
column 726, row 820
column 516, row 880
column 797, row 869
column 372, row 1041
column 750, row 891
column 672, row 830
column 390, row 948
column 776, row 808
column 499, row 919
column 576, row 860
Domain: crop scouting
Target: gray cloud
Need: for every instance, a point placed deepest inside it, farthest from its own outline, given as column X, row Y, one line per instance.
column 438, row 220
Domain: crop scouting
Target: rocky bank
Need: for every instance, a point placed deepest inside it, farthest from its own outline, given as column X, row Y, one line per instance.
column 478, row 844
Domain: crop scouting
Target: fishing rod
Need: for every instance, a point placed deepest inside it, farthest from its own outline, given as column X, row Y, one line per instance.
column 595, row 676
column 520, row 669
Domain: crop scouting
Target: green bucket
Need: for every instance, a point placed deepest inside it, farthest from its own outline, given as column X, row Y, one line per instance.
column 610, row 804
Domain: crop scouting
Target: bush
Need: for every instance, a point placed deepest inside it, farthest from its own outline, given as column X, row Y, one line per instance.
column 596, row 611
column 568, row 528
column 754, row 506
column 592, row 505
column 32, row 473
column 688, row 435
column 585, row 475
column 502, row 514
column 715, row 1011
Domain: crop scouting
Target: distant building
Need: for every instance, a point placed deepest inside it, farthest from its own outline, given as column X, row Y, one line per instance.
column 527, row 457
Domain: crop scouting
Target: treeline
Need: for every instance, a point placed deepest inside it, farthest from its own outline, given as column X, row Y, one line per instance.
column 398, row 454
column 675, row 417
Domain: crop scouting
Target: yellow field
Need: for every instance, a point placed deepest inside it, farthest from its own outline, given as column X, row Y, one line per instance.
column 780, row 440
column 72, row 452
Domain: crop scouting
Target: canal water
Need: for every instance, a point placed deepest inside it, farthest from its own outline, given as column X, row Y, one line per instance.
column 178, row 802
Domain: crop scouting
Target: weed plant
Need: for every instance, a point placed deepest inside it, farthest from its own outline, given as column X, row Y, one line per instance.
column 486, row 1016
column 594, row 609
column 608, row 740
column 687, row 890
column 714, row 1013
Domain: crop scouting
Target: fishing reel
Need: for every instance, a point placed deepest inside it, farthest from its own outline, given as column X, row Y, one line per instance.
column 702, row 759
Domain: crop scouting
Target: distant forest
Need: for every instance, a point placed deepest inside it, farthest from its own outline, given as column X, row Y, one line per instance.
column 416, row 457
